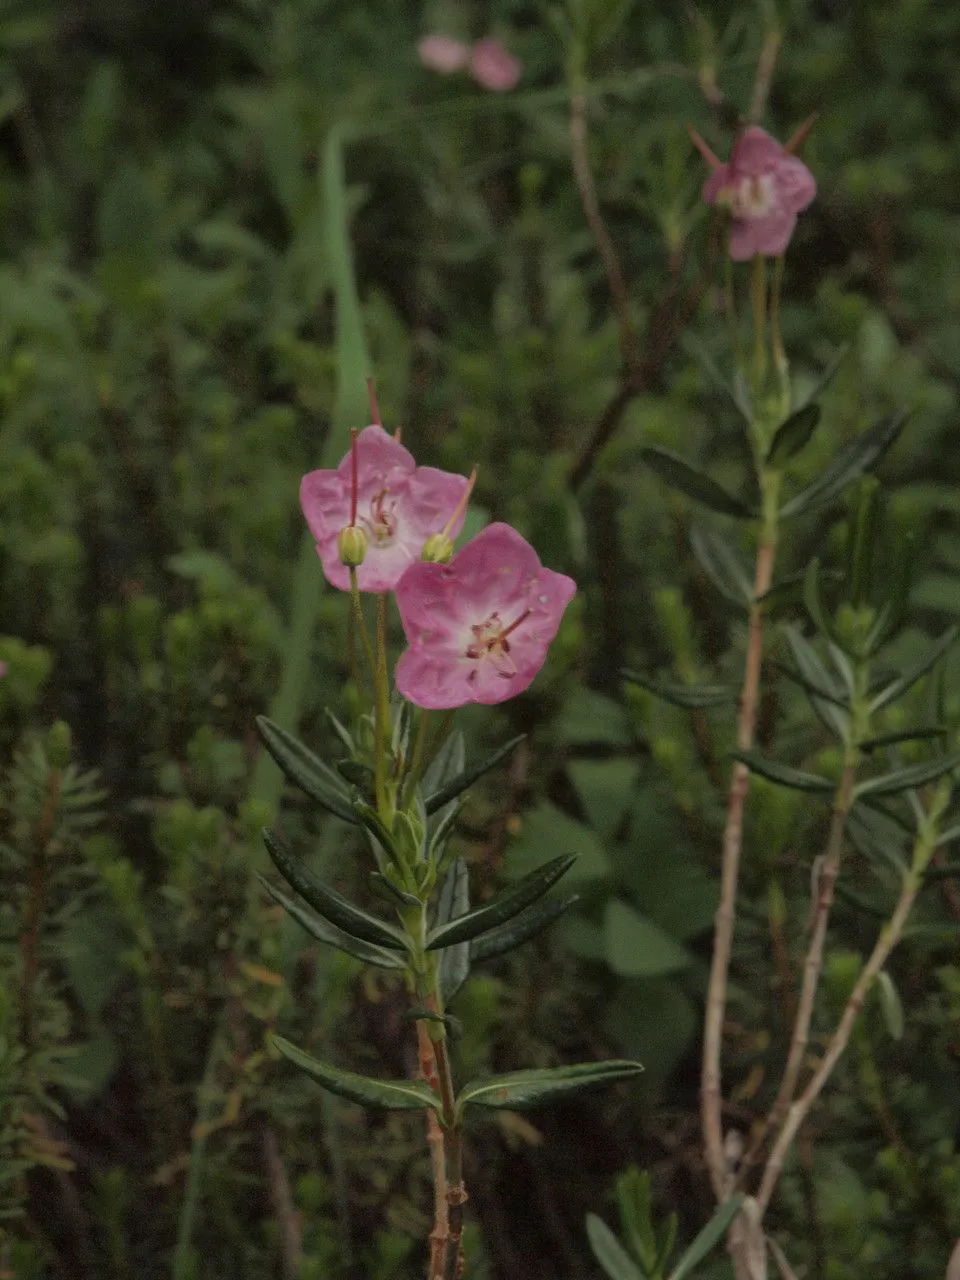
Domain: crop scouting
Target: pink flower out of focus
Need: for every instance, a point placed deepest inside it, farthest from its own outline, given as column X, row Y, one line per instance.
column 443, row 54
column 478, row 627
column 494, row 67
column 399, row 505
column 764, row 188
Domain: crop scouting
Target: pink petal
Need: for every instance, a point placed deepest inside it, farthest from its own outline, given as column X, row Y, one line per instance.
column 443, row 607
column 494, row 67
column 756, row 152
column 772, row 234
column 419, row 500
column 796, row 185
column 443, row 54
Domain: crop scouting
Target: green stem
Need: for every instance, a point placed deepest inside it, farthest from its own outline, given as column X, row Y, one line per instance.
column 382, row 726
column 415, row 768
column 730, row 301
column 758, row 296
column 776, row 338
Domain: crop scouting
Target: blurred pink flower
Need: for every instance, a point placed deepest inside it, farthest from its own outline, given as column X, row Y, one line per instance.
column 399, row 506
column 494, row 67
column 478, row 627
column 443, row 54
column 764, row 188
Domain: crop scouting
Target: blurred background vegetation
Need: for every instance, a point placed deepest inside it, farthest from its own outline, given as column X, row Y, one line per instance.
column 188, row 193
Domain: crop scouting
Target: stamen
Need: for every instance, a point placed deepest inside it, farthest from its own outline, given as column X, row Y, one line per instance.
column 513, row 625
column 461, row 506
column 702, row 147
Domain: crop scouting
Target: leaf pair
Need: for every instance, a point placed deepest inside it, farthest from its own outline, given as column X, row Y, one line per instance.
column 514, row 1091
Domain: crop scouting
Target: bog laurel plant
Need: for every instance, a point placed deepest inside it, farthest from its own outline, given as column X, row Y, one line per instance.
column 478, row 624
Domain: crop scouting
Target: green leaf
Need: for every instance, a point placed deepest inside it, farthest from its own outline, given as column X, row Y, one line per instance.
column 445, row 765
column 609, row 1252
column 509, row 904
column 680, row 475
column 814, row 602
column 521, row 1090
column 916, row 734
column 907, row 679
column 516, row 931
column 793, row 435
column 330, row 904
column 890, row 1004
column 708, row 1238
column 889, row 784
column 826, row 377
column 305, row 770
column 692, row 697
column 394, row 1095
column 453, row 788
column 328, row 933
column 454, row 904
column 723, row 564
column 784, row 774
column 638, row 948
column 829, row 703
column 633, row 1201
column 858, row 457
column 605, row 789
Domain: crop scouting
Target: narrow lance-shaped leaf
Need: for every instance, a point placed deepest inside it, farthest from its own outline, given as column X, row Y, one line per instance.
column 784, row 774
column 454, row 904
column 516, row 931
column 305, row 770
column 691, row 697
column 859, row 456
column 686, row 479
column 394, row 1095
column 917, row 775
column 330, row 904
column 829, row 704
column 328, row 933
column 609, row 1252
column 918, row 733
column 450, row 790
column 909, row 678
column 723, row 565
column 520, row 1090
column 826, row 377
column 509, row 904
column 708, row 1238
column 793, row 434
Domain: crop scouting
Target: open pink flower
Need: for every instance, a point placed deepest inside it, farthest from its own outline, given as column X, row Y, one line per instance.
column 765, row 188
column 443, row 54
column 494, row 67
column 478, row 627
column 399, row 505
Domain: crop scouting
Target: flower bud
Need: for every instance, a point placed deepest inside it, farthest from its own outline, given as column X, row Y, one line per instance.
column 352, row 545
column 437, row 549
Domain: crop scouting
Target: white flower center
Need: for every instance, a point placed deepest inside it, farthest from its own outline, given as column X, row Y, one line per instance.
column 381, row 524
column 753, row 197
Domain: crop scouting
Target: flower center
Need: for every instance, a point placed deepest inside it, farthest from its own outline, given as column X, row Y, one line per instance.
column 753, row 197
column 381, row 524
column 490, row 640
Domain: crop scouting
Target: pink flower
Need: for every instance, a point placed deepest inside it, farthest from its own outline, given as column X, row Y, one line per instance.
column 478, row 627
column 765, row 188
column 399, row 505
column 443, row 54
column 494, row 67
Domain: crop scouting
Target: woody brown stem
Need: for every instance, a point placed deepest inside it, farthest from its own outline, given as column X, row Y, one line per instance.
column 710, row 1086
column 813, row 964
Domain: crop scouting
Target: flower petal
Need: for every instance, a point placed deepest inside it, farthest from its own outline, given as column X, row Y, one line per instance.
column 443, row 54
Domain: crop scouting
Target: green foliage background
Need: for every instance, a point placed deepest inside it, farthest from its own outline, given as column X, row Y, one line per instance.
column 186, row 195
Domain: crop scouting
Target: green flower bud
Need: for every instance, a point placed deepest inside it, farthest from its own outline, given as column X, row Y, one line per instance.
column 58, row 745
column 437, row 549
column 352, row 546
